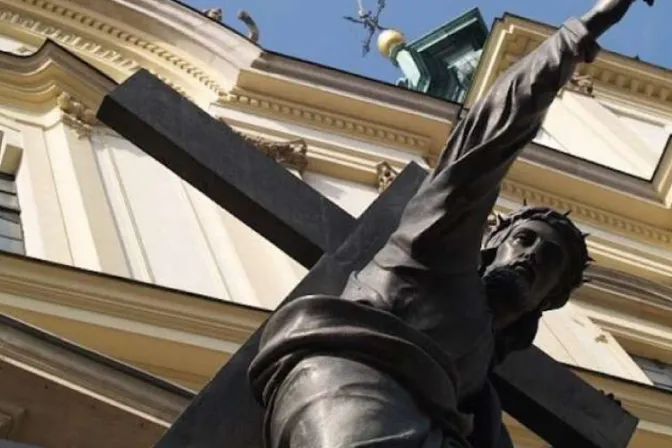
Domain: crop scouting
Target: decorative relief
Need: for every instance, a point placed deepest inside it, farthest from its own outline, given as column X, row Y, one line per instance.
column 295, row 112
column 653, row 87
column 385, row 175
column 77, row 115
column 292, row 154
column 96, row 49
column 581, row 83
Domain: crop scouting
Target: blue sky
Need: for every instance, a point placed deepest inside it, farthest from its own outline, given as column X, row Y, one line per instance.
column 314, row 29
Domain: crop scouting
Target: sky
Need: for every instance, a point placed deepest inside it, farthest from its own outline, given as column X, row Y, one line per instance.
column 314, row 30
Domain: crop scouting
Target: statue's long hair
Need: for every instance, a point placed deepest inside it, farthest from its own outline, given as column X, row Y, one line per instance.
column 521, row 334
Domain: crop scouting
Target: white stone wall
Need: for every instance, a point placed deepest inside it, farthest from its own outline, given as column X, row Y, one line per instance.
column 352, row 197
column 174, row 236
column 100, row 203
column 609, row 133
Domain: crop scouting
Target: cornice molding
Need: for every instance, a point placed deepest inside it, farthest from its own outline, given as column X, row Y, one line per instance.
column 337, row 123
column 37, row 80
column 50, row 356
column 628, row 295
column 349, row 84
column 587, row 213
column 65, row 26
column 611, row 74
column 127, row 299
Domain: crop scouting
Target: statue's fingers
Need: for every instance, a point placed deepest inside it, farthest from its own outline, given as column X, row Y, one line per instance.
column 649, row 2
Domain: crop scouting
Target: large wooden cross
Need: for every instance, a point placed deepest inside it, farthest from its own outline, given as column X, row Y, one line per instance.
column 539, row 392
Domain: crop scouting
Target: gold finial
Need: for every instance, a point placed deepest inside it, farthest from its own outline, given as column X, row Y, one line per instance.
column 389, row 39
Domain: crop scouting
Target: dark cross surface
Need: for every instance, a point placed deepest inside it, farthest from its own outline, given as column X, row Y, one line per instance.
column 539, row 392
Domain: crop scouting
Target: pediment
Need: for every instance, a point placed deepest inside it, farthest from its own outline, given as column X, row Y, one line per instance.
column 604, row 149
column 34, row 81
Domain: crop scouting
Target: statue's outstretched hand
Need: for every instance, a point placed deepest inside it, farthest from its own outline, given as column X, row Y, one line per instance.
column 607, row 13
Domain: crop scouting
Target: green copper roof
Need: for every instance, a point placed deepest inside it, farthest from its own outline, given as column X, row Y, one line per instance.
column 443, row 61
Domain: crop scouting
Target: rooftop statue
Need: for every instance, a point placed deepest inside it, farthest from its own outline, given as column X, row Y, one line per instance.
column 402, row 358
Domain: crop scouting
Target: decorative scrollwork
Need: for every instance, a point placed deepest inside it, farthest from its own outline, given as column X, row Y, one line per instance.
column 76, row 114
column 581, row 83
column 385, row 175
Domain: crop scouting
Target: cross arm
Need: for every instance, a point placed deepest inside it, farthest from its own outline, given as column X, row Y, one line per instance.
column 226, row 168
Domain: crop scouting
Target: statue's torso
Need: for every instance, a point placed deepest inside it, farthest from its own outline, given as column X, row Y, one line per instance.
column 452, row 311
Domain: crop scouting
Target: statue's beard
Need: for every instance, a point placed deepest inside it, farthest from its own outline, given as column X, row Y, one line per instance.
column 506, row 289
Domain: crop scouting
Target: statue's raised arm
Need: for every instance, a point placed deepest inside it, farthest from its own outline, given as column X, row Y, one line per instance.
column 400, row 358
column 443, row 224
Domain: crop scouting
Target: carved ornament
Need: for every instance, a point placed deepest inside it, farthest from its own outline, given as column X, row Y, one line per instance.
column 214, row 13
column 579, row 83
column 385, row 175
column 77, row 115
column 292, row 154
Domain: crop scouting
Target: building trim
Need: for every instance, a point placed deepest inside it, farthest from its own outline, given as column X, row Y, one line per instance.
column 39, row 79
column 613, row 74
column 124, row 386
column 123, row 298
column 266, row 105
column 34, row 17
column 351, row 84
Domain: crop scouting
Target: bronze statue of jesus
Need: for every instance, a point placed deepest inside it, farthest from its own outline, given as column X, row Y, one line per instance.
column 402, row 358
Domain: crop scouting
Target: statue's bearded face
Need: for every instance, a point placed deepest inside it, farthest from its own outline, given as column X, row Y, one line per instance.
column 528, row 264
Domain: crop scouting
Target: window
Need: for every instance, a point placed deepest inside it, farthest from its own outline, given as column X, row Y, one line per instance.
column 658, row 372
column 11, row 233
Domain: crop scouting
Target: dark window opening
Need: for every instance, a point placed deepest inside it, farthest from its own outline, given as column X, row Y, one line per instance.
column 11, row 232
column 658, row 372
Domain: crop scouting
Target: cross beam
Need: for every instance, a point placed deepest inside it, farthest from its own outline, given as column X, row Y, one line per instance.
column 536, row 390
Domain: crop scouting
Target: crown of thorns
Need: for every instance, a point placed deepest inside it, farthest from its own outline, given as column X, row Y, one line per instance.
column 575, row 246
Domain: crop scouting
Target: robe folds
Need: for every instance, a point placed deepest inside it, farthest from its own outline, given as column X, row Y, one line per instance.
column 395, row 360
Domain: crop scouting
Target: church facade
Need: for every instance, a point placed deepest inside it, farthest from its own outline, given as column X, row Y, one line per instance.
column 124, row 289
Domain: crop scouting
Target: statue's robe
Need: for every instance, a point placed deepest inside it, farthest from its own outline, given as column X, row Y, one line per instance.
column 394, row 363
